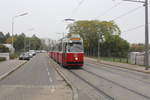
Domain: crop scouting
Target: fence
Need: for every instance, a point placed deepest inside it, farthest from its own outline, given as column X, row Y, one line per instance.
column 137, row 58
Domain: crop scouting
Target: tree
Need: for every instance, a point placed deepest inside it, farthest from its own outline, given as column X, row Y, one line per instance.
column 7, row 35
column 91, row 31
column 8, row 40
column 19, row 43
column 3, row 49
column 44, row 46
column 137, row 47
column 35, row 43
column 2, row 37
column 116, row 47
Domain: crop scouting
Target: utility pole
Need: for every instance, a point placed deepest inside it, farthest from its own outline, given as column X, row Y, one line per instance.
column 146, row 36
column 146, row 56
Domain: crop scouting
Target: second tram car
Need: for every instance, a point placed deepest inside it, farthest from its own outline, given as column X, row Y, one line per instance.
column 69, row 51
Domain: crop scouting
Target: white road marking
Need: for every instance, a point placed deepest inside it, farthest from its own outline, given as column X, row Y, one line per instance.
column 50, row 80
column 48, row 73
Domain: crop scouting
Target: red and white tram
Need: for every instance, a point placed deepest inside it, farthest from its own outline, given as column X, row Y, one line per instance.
column 69, row 51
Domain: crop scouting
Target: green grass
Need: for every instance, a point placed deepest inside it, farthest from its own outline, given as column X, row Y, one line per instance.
column 123, row 60
column 113, row 59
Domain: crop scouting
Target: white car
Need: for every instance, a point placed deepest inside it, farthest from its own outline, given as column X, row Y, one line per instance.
column 33, row 52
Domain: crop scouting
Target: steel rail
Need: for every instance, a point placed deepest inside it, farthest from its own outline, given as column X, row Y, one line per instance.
column 147, row 97
column 99, row 90
column 102, row 67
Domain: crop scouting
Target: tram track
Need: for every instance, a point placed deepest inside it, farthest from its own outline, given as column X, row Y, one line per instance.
column 115, row 83
column 93, row 86
column 116, row 68
column 117, row 73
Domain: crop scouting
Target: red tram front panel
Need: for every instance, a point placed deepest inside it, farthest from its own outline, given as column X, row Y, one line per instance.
column 73, row 59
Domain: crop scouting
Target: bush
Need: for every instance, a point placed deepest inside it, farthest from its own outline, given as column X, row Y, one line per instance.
column 13, row 56
column 2, row 58
column 3, row 49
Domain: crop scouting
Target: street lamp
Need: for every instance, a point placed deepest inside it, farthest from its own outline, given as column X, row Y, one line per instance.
column 13, row 19
column 69, row 19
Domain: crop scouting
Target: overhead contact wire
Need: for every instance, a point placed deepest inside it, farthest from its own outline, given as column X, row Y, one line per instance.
column 127, row 13
column 108, row 10
column 76, row 9
column 134, row 28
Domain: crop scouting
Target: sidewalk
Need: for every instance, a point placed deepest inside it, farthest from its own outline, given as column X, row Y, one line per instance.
column 122, row 65
column 6, row 67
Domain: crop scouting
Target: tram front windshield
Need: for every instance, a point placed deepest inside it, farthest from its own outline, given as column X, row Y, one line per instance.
column 75, row 47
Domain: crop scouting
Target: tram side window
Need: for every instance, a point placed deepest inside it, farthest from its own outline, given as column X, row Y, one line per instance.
column 65, row 47
column 60, row 47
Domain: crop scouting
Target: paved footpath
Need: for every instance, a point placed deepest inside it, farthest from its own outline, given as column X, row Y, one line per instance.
column 6, row 67
column 122, row 65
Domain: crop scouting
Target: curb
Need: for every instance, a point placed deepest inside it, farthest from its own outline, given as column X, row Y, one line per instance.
column 10, row 72
column 126, row 68
column 120, row 66
column 75, row 93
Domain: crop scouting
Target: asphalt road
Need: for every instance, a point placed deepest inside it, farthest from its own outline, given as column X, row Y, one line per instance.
column 36, row 80
column 35, row 72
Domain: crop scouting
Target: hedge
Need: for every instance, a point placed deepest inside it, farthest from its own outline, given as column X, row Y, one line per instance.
column 2, row 58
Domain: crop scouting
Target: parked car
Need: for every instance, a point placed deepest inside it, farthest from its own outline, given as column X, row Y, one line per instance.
column 38, row 51
column 24, row 56
column 30, row 54
column 33, row 52
column 43, row 51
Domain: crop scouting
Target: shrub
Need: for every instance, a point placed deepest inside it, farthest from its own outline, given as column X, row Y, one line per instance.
column 13, row 56
column 2, row 58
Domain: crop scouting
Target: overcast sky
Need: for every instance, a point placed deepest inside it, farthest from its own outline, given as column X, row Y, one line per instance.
column 46, row 16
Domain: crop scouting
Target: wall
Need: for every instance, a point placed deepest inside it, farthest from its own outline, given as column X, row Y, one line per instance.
column 6, row 55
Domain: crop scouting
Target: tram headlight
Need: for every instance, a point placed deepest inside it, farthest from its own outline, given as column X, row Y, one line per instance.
column 76, row 58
